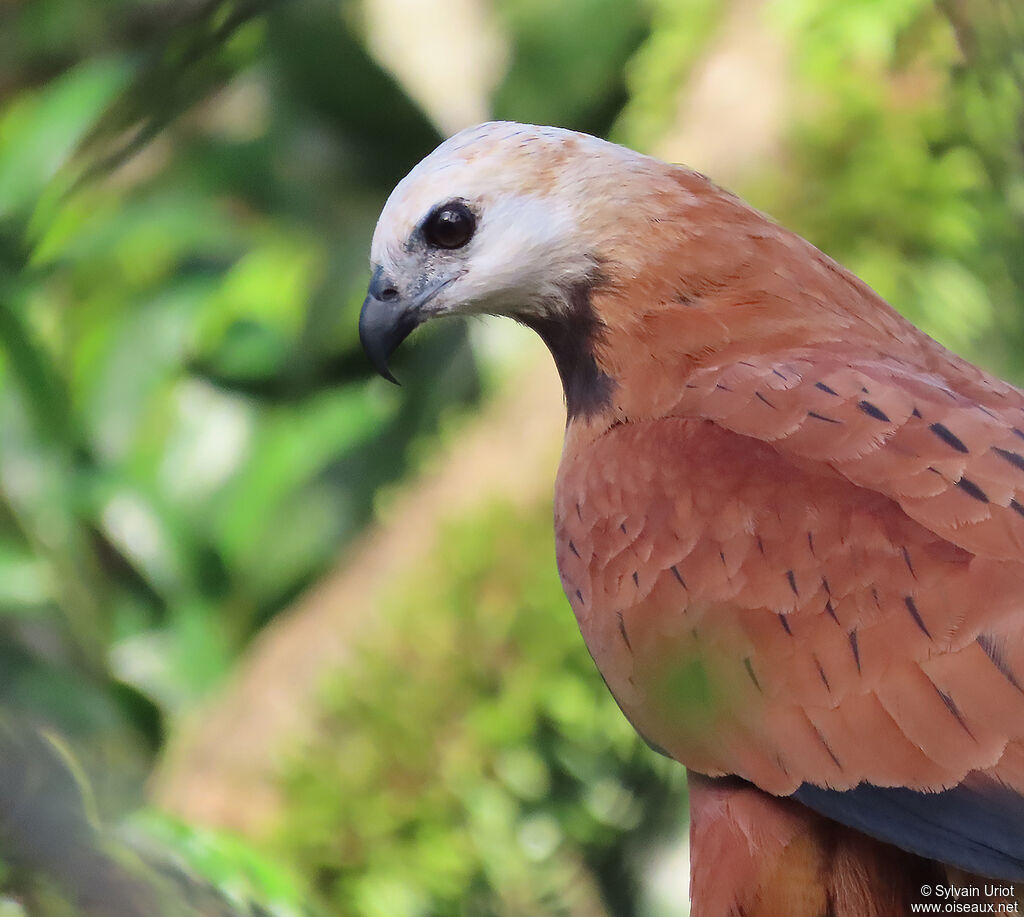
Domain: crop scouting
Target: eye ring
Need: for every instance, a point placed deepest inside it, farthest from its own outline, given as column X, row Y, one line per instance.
column 449, row 226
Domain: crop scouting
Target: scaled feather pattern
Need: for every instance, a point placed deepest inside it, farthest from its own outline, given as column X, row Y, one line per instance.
column 789, row 523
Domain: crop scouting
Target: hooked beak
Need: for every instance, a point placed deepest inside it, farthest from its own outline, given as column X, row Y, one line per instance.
column 388, row 318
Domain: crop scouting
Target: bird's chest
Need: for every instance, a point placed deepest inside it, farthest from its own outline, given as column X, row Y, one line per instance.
column 641, row 535
column 677, row 544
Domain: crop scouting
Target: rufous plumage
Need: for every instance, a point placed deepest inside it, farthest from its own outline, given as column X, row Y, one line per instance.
column 789, row 523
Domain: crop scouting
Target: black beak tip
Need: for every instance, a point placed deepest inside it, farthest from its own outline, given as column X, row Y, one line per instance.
column 382, row 327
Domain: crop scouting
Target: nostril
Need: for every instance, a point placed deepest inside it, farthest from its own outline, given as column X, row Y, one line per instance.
column 382, row 288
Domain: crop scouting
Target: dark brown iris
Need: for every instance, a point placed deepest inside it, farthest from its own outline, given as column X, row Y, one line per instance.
column 449, row 226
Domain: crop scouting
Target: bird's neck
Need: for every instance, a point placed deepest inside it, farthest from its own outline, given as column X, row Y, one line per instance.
column 572, row 337
column 691, row 277
column 627, row 349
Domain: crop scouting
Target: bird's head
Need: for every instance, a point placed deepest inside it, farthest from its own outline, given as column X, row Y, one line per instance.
column 504, row 219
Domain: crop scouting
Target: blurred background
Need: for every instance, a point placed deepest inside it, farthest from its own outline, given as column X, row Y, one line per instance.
column 277, row 638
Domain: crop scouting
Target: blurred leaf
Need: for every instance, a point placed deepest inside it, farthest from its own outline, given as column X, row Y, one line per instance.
column 236, row 868
column 61, row 861
column 39, row 132
column 24, row 580
column 203, row 41
column 580, row 46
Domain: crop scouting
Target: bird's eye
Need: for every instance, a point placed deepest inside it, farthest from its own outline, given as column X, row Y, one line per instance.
column 449, row 226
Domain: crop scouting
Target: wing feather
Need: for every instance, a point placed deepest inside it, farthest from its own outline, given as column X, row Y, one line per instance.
column 953, row 459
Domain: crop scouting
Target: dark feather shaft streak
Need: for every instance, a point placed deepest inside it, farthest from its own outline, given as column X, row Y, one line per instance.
column 954, row 710
column 678, row 575
column 972, row 490
column 1014, row 458
column 750, row 671
column 868, row 408
column 622, row 631
column 915, row 614
column 994, row 650
column 948, row 437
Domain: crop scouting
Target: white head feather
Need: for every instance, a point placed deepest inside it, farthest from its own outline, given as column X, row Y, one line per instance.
column 533, row 191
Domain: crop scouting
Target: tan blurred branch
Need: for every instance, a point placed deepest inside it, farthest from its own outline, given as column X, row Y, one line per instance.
column 732, row 114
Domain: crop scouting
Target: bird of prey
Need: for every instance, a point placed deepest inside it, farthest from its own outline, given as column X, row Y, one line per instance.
column 789, row 523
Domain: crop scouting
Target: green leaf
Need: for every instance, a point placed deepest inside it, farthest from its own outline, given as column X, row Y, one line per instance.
column 40, row 131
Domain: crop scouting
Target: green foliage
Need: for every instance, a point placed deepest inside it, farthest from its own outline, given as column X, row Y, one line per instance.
column 547, row 36
column 191, row 432
column 190, row 429
column 244, row 878
column 470, row 759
